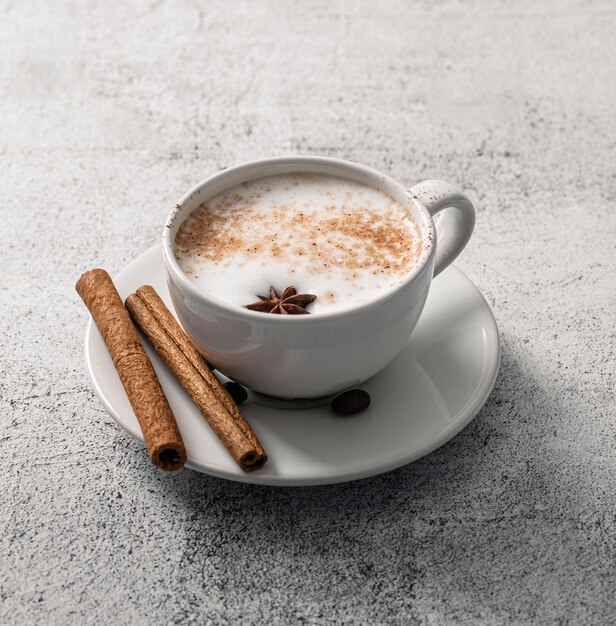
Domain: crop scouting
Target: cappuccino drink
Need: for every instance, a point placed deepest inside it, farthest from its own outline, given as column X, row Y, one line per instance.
column 345, row 242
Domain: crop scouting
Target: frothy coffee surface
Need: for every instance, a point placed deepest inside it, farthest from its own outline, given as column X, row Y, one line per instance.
column 346, row 242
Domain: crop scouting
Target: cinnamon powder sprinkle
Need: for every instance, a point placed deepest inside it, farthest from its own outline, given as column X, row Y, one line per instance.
column 356, row 238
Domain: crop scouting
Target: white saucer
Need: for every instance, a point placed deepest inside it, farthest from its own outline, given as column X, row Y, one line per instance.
column 430, row 392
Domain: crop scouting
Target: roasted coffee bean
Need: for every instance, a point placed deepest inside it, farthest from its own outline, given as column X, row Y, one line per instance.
column 237, row 392
column 350, row 402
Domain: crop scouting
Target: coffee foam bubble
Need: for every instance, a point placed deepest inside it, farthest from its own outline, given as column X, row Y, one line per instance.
column 346, row 242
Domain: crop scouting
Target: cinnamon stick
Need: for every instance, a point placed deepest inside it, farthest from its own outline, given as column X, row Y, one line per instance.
column 160, row 431
column 184, row 360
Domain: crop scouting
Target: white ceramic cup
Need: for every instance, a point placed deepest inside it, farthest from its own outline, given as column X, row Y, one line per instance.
column 309, row 356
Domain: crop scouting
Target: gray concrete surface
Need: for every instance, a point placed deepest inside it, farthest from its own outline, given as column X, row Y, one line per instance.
column 110, row 111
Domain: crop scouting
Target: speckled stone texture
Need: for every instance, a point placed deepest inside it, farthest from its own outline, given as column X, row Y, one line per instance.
column 111, row 110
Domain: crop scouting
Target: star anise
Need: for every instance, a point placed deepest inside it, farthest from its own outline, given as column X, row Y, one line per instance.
column 289, row 303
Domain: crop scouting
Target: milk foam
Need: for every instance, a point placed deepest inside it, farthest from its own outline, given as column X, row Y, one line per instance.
column 346, row 242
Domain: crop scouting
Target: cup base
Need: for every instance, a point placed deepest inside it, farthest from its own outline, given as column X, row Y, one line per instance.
column 272, row 402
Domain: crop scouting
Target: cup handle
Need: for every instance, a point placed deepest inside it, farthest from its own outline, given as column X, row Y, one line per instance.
column 455, row 226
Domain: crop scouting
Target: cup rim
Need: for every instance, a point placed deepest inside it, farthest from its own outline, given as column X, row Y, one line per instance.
column 427, row 231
